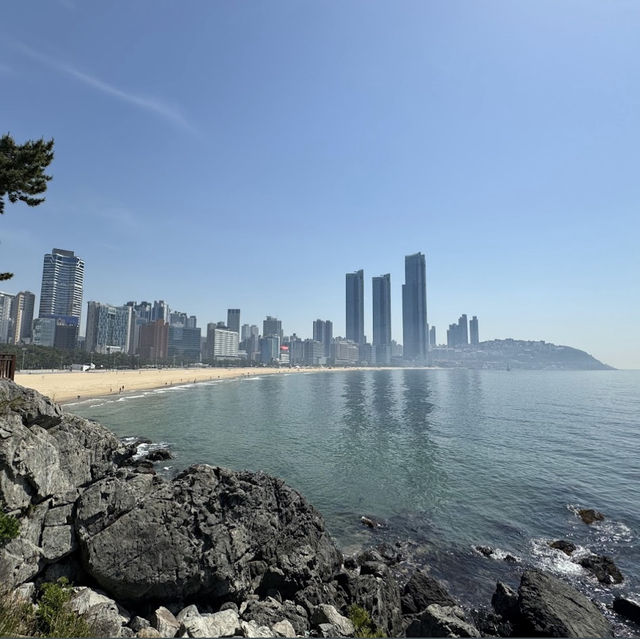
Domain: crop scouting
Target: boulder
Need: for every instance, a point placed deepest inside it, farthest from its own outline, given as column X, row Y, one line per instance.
column 627, row 608
column 487, row 551
column 138, row 623
column 441, row 621
column 148, row 633
column 270, row 612
column 505, row 601
column 491, row 624
column 421, row 591
column 603, row 568
column 144, row 537
column 326, row 614
column 565, row 546
column 103, row 614
column 589, row 515
column 550, row 607
column 159, row 454
column 252, row 629
column 284, row 629
column 218, row 624
column 164, row 622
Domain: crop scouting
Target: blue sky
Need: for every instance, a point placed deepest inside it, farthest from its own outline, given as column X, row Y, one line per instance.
column 249, row 154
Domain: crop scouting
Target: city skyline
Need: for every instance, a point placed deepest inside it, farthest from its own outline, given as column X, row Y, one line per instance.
column 442, row 127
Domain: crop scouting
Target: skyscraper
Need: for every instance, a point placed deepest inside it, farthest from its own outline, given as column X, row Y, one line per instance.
column 414, row 309
column 473, row 330
column 272, row 326
column 463, row 330
column 108, row 328
column 432, row 336
column 22, row 316
column 233, row 319
column 382, row 318
column 62, row 281
column 323, row 333
column 355, row 306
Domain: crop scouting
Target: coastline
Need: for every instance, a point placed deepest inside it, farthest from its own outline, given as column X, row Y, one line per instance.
column 67, row 386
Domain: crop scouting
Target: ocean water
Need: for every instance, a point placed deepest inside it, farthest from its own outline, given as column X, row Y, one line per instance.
column 444, row 459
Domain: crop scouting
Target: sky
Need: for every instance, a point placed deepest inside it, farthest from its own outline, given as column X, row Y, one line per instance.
column 249, row 154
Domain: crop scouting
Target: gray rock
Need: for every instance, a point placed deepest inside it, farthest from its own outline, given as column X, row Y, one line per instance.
column 270, row 611
column 164, row 622
column 57, row 542
column 324, row 613
column 218, row 624
column 187, row 612
column 589, row 515
column 26, row 592
column 148, row 633
column 441, row 621
column 549, row 607
column 138, row 623
column 144, row 537
column 604, row 569
column 505, row 601
column 327, row 630
column 565, row 546
column 230, row 605
column 284, row 629
column 627, row 608
column 252, row 629
column 421, row 591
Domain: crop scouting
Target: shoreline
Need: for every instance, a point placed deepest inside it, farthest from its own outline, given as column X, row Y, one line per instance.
column 69, row 386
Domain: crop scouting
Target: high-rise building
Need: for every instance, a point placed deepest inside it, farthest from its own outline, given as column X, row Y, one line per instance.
column 62, row 282
column 233, row 319
column 160, row 311
column 414, row 309
column 382, row 319
column 432, row 336
column 270, row 349
column 6, row 302
column 473, row 330
column 109, row 328
column 355, row 306
column 22, row 316
column 221, row 342
column 463, row 330
column 272, row 326
column 323, row 333
column 185, row 343
column 154, row 341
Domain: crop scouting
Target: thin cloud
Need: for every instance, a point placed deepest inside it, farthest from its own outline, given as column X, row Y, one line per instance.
column 148, row 104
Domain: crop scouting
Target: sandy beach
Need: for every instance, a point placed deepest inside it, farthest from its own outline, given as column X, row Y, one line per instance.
column 66, row 386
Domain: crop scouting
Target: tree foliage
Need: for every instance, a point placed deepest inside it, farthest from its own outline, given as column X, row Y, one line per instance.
column 22, row 176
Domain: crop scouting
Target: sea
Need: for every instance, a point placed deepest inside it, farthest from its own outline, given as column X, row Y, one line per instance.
column 442, row 461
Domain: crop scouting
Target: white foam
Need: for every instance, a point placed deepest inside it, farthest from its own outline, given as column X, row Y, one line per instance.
column 554, row 560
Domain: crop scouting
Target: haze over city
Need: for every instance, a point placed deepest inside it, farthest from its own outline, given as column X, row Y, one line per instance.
column 248, row 156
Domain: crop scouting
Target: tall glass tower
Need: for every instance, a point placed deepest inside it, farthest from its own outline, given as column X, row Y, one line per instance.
column 414, row 309
column 62, row 281
column 355, row 306
column 382, row 318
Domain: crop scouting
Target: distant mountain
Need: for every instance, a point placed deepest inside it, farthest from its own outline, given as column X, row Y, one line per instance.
column 513, row 353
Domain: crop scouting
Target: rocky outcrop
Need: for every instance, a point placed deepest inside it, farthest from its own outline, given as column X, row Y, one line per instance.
column 421, row 591
column 603, row 568
column 628, row 608
column 549, row 607
column 589, row 515
column 442, row 621
column 565, row 546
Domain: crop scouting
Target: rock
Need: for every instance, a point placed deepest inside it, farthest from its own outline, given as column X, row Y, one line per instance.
column 565, row 546
column 487, row 551
column 421, row 591
column 148, row 632
column 589, row 515
column 284, row 629
column 159, row 454
column 550, row 607
column 328, row 630
column 218, row 624
column 270, row 611
column 380, row 598
column 26, row 592
column 627, row 608
column 46, row 458
column 377, row 568
column 326, row 614
column 106, row 617
column 164, row 622
column 490, row 624
column 603, row 568
column 186, row 612
column 230, row 605
column 138, row 623
column 252, row 629
column 511, row 559
column 441, row 621
column 199, row 533
column 505, row 601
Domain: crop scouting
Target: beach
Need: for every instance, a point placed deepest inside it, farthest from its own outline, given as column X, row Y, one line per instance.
column 65, row 386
